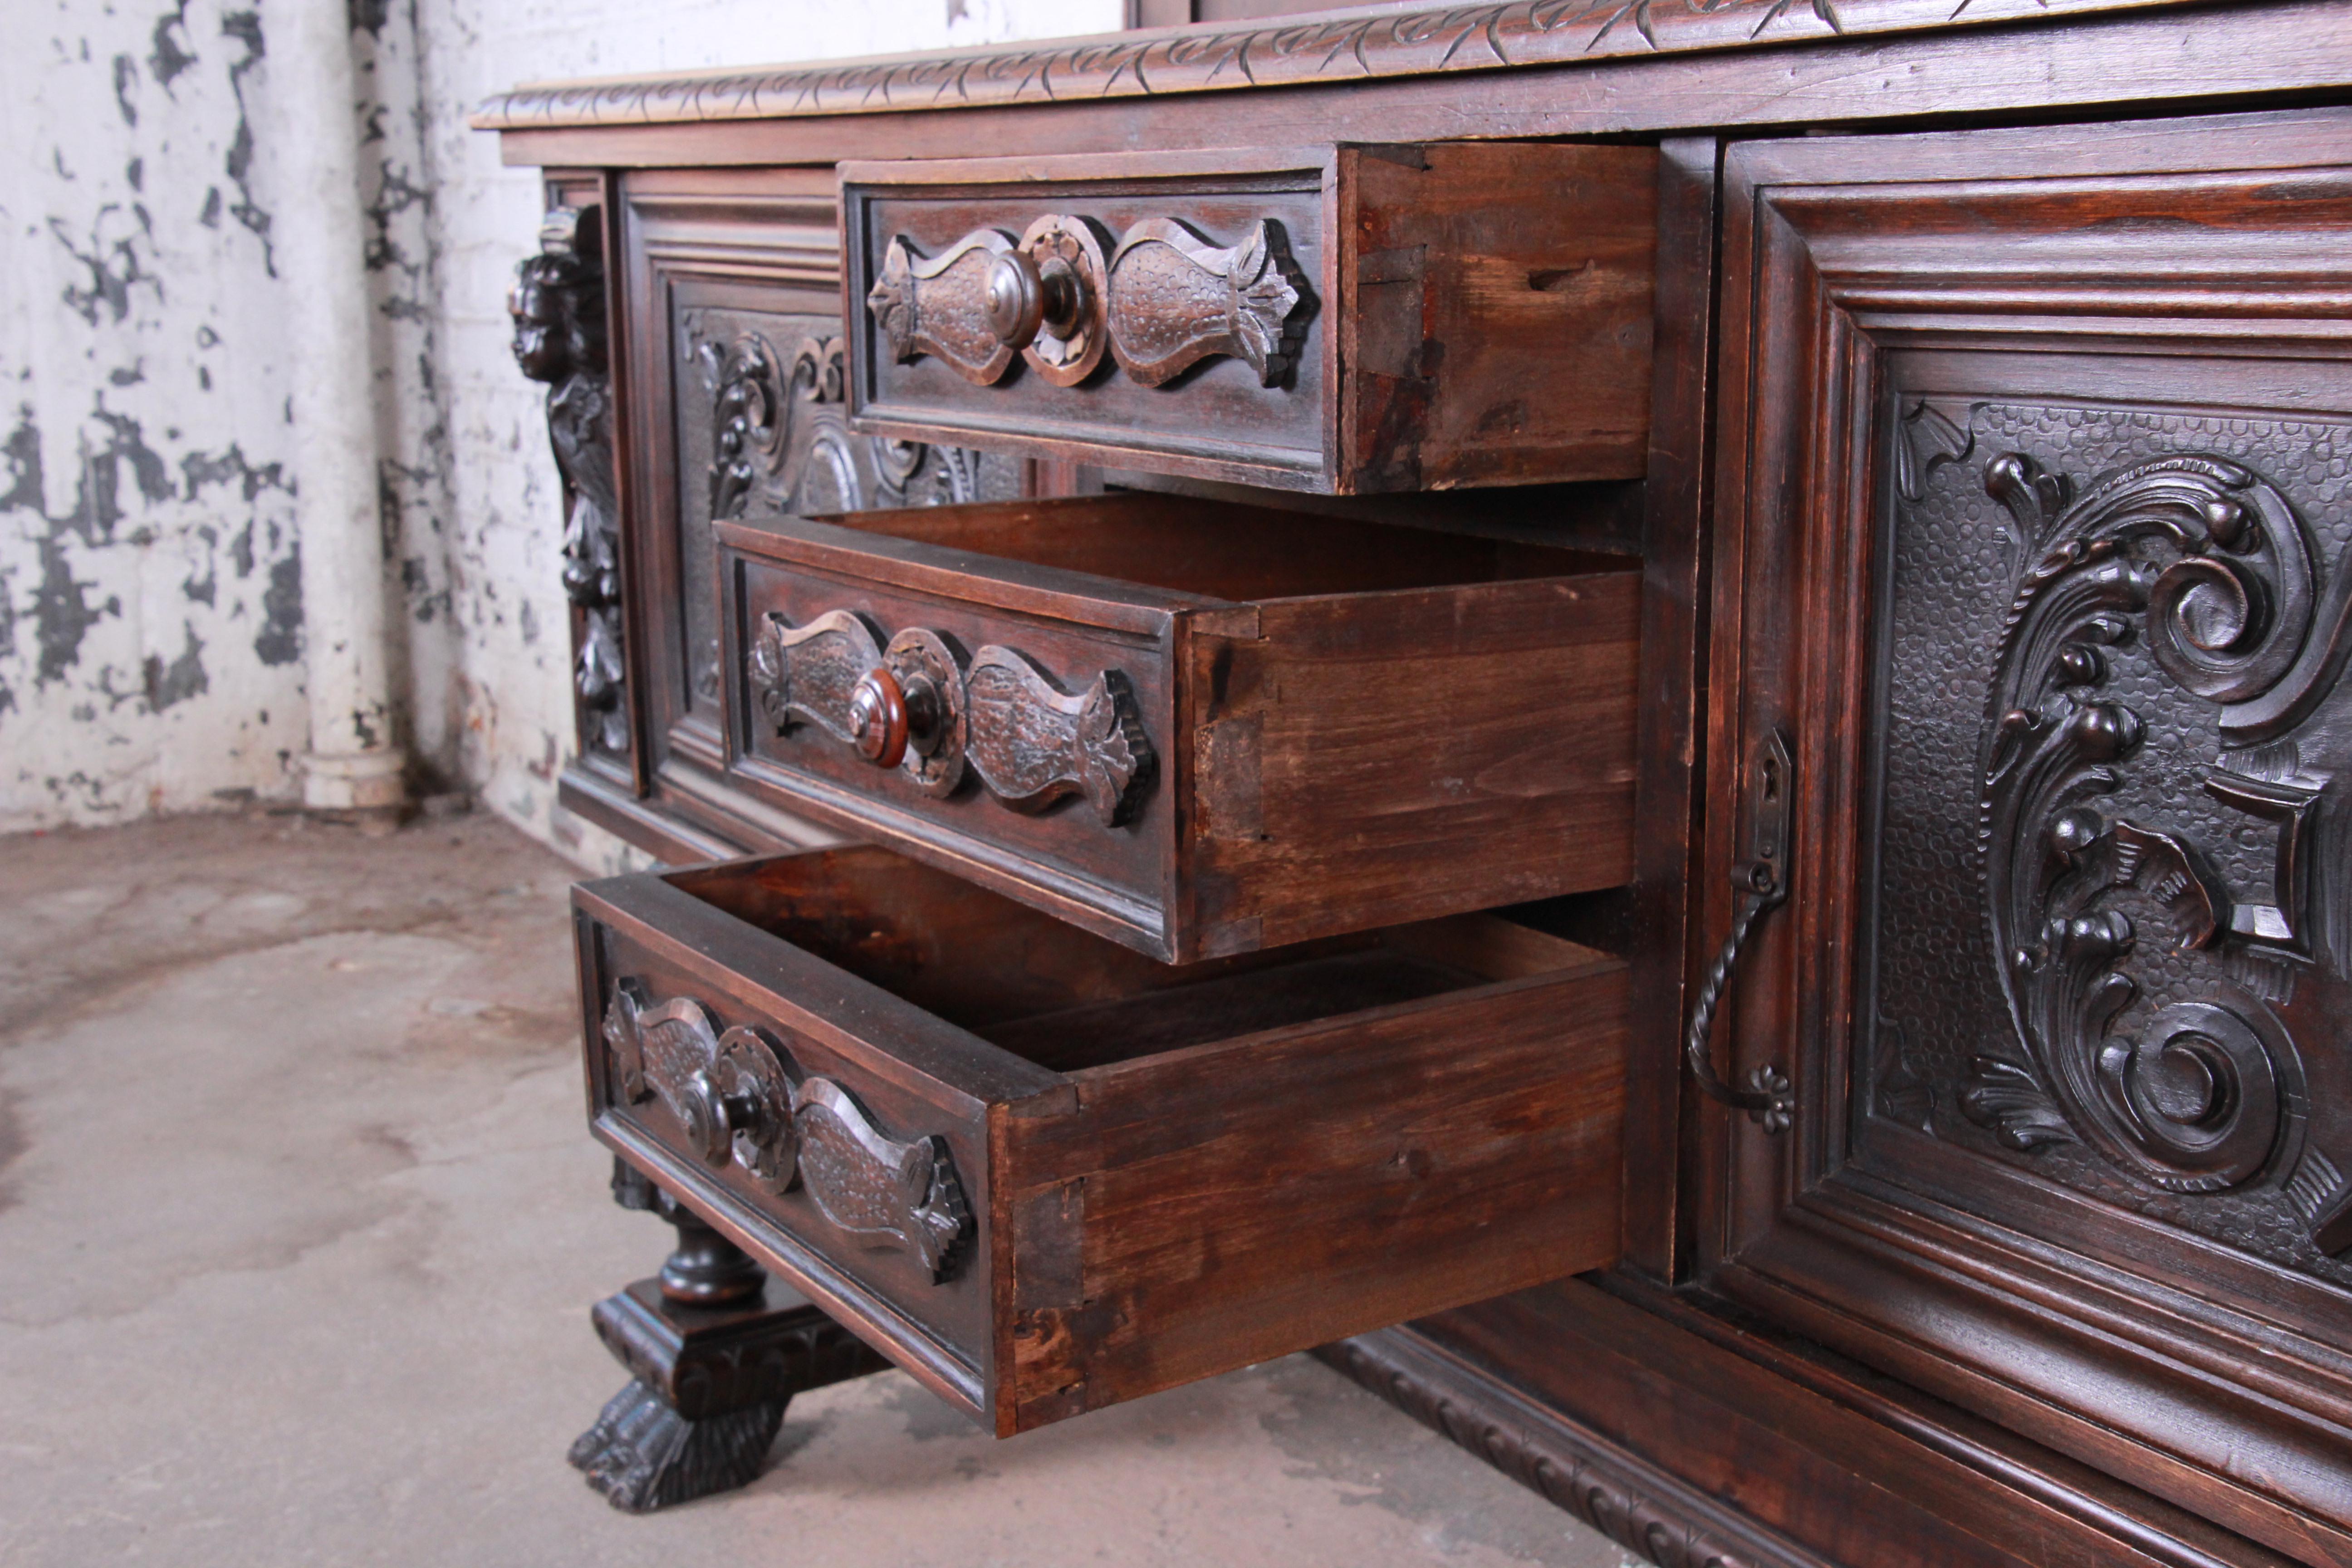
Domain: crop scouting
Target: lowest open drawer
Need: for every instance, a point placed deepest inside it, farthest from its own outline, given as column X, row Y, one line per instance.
column 1195, row 727
column 1045, row 1174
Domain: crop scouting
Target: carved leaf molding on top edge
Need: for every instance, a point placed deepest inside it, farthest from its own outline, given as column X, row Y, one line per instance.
column 739, row 1099
column 1430, row 41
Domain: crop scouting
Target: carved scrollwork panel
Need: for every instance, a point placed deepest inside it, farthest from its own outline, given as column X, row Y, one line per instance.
column 1175, row 298
column 2209, row 564
column 2163, row 926
column 738, row 1099
column 769, row 435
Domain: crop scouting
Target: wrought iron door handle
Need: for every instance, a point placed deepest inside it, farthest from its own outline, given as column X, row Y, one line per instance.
column 1767, row 1095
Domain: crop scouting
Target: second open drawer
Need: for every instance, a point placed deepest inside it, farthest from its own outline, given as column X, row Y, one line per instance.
column 1195, row 727
column 1045, row 1174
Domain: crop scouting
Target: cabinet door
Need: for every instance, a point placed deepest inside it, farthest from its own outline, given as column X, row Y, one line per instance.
column 2036, row 543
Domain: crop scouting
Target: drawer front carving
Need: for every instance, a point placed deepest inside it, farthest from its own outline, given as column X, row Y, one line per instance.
column 1169, row 297
column 1046, row 1173
column 918, row 705
column 2071, row 691
column 1330, row 319
column 1177, row 298
column 989, row 297
column 736, row 1097
column 1379, row 738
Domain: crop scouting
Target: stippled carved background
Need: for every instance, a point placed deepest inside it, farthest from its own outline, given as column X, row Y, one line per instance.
column 1956, row 557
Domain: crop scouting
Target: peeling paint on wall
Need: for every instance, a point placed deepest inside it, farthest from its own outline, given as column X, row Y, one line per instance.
column 140, row 368
column 150, row 612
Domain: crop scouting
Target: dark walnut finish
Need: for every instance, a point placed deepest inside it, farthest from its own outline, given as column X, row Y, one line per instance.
column 1195, row 727
column 1033, row 1167
column 1992, row 462
column 1335, row 319
column 2039, row 545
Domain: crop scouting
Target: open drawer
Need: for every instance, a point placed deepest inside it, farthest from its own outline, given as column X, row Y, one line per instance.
column 1045, row 1174
column 1341, row 318
column 1195, row 727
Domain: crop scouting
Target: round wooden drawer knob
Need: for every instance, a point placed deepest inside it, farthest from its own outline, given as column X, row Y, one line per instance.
column 878, row 718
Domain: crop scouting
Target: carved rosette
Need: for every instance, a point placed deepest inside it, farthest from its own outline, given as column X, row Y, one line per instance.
column 999, row 715
column 1065, row 258
column 738, row 1099
column 558, row 308
column 2208, row 563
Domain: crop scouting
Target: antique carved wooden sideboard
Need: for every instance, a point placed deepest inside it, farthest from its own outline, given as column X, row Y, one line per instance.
column 1633, row 711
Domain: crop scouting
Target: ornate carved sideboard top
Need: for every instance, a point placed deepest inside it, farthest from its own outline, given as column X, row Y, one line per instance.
column 1354, row 44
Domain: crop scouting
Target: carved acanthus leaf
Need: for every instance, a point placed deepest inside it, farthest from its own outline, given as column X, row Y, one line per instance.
column 1934, row 433
column 2208, row 562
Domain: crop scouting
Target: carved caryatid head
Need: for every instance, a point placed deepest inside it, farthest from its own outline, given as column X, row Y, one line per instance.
column 558, row 300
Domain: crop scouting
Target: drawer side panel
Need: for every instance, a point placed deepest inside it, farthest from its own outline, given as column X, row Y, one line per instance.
column 1399, row 756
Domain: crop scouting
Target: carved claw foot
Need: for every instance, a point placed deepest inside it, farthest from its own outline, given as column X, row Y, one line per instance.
column 643, row 1455
column 715, row 1352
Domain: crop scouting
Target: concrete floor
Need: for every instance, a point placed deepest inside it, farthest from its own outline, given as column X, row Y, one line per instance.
column 300, row 1227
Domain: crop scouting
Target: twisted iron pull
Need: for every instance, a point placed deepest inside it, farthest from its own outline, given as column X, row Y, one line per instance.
column 1763, row 877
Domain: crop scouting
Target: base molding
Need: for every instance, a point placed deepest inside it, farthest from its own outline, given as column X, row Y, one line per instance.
column 1633, row 1503
column 1695, row 1437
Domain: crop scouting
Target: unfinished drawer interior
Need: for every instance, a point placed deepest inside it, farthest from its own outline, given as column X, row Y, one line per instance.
column 1195, row 727
column 1335, row 319
column 1045, row 1173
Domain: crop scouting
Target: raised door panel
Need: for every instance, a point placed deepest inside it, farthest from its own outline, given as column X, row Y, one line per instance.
column 2036, row 546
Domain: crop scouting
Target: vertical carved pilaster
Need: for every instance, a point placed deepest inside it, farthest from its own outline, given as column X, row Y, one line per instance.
column 557, row 306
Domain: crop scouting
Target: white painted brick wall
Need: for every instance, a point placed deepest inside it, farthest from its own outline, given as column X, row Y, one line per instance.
column 140, row 668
